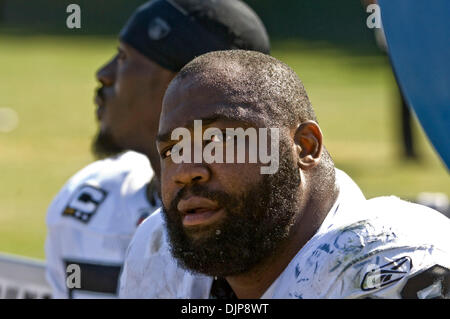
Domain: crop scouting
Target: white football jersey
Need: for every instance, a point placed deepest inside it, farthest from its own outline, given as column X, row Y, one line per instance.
column 91, row 222
column 379, row 248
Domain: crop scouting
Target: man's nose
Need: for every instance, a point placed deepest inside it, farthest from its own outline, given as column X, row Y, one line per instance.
column 106, row 74
column 191, row 173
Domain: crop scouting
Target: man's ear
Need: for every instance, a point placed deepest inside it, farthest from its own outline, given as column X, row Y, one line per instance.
column 308, row 141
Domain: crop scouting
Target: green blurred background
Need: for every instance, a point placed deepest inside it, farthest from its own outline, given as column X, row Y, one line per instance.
column 47, row 77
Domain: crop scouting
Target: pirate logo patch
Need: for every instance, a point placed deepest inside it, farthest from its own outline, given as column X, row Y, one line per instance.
column 84, row 203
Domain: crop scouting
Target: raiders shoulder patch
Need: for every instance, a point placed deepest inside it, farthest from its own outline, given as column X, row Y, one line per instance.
column 84, row 203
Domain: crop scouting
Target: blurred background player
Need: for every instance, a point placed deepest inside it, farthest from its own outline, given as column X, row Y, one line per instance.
column 92, row 219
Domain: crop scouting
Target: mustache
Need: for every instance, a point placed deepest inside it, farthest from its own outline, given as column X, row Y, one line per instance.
column 222, row 198
column 100, row 92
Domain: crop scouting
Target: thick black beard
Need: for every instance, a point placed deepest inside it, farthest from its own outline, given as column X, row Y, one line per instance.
column 254, row 226
column 104, row 146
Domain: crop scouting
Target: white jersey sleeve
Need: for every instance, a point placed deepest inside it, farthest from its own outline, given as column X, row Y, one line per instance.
column 386, row 248
column 91, row 222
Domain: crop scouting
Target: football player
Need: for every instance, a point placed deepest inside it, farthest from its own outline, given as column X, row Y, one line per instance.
column 92, row 219
column 306, row 231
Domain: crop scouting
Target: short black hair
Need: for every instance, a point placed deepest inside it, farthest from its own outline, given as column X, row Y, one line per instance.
column 260, row 78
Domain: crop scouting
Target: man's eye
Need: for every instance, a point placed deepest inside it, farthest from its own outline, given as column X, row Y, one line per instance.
column 221, row 137
column 167, row 153
column 174, row 149
column 217, row 138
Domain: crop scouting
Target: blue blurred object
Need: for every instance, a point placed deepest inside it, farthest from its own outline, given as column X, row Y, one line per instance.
column 418, row 38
